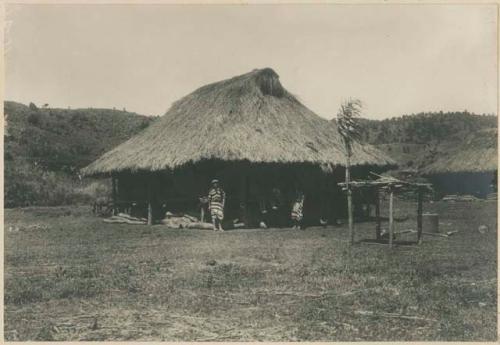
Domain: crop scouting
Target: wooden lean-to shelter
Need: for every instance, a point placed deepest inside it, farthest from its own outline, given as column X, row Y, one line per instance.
column 251, row 134
column 468, row 168
column 390, row 185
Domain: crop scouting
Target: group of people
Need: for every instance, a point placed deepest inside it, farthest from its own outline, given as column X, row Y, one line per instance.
column 269, row 209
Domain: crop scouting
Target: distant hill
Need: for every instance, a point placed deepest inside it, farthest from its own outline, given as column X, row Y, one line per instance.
column 416, row 141
column 45, row 147
column 65, row 139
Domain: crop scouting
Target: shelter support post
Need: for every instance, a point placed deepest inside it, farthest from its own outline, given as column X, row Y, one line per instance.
column 419, row 216
column 391, row 217
column 150, row 202
column 243, row 197
column 150, row 213
column 350, row 215
column 377, row 214
column 113, row 195
column 349, row 199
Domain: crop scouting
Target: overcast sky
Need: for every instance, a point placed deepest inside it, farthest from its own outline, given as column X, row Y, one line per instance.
column 398, row 59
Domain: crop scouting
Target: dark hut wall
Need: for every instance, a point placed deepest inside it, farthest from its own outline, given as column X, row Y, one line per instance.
column 245, row 184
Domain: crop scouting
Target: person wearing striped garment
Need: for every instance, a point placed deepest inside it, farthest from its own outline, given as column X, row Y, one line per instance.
column 298, row 211
column 216, row 202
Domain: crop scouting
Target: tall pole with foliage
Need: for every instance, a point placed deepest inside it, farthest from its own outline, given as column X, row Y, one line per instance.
column 348, row 127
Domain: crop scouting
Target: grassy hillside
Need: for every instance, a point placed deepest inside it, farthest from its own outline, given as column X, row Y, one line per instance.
column 416, row 141
column 64, row 139
column 45, row 148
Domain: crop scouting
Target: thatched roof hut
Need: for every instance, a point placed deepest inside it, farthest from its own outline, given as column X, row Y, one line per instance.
column 251, row 117
column 248, row 131
column 477, row 153
column 468, row 168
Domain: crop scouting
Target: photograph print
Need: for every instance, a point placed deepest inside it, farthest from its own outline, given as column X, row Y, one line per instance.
column 228, row 172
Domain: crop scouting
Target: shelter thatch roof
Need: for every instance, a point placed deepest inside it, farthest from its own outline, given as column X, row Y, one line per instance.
column 476, row 153
column 250, row 117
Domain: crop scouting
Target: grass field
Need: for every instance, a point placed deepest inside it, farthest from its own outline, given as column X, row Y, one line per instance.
column 69, row 276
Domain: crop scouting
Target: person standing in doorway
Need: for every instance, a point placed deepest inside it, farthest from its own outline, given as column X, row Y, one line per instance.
column 216, row 202
column 297, row 211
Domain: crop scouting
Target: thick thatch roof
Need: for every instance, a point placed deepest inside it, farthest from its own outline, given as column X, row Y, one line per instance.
column 250, row 117
column 476, row 153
